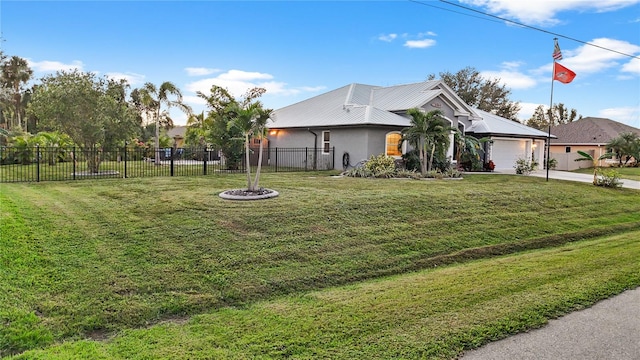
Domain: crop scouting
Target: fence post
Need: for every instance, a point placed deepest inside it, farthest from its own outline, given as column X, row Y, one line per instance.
column 306, row 158
column 125, row 159
column 333, row 159
column 204, row 158
column 276, row 159
column 37, row 163
column 75, row 160
column 172, row 152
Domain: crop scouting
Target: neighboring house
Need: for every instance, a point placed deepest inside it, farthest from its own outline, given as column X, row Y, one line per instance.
column 590, row 135
column 360, row 120
column 177, row 134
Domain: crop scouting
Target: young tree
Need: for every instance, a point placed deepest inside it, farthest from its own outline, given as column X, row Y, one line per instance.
column 152, row 99
column 584, row 156
column 232, row 123
column 477, row 91
column 91, row 110
column 217, row 127
column 15, row 73
column 428, row 131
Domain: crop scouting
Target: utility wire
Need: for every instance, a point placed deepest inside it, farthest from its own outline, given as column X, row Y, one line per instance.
column 516, row 23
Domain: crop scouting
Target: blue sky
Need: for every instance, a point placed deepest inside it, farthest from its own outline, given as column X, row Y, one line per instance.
column 299, row 49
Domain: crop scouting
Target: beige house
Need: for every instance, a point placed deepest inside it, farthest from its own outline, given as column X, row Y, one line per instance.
column 590, row 135
column 177, row 134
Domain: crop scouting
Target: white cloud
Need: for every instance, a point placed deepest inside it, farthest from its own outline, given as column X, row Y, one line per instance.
column 239, row 75
column 312, row 88
column 629, row 115
column 588, row 59
column 420, row 44
column 510, row 76
column 543, row 12
column 427, row 33
column 511, row 79
column 47, row 66
column 132, row 78
column 388, row 37
column 632, row 66
column 527, row 110
column 237, row 82
column 194, row 100
column 200, row 71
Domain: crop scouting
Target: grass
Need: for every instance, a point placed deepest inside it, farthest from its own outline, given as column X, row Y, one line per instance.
column 631, row 173
column 427, row 314
column 95, row 258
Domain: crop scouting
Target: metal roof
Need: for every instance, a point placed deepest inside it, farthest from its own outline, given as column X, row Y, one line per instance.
column 346, row 105
column 497, row 125
column 359, row 104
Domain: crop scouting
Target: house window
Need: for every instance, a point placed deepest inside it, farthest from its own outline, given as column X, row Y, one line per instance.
column 326, row 142
column 393, row 141
column 567, row 149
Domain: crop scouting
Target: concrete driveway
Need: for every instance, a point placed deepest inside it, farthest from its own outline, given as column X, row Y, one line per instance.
column 609, row 330
column 570, row 176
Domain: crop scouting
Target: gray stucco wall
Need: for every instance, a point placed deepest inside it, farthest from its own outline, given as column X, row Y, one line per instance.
column 359, row 142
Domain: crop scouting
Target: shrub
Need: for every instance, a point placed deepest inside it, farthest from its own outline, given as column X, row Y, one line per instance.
column 525, row 167
column 553, row 163
column 608, row 178
column 381, row 166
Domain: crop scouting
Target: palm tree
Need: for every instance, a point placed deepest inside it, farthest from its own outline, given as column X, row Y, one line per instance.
column 244, row 120
column 15, row 73
column 584, row 156
column 427, row 131
column 261, row 131
column 626, row 145
column 152, row 99
column 467, row 146
column 54, row 143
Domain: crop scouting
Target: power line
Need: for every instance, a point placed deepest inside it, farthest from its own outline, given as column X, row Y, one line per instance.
column 516, row 23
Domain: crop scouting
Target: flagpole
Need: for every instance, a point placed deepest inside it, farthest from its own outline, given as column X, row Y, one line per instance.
column 553, row 75
column 550, row 118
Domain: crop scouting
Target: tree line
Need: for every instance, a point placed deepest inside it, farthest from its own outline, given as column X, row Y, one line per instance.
column 93, row 113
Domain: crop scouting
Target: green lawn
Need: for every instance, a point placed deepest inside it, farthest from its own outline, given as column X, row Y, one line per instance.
column 99, row 258
column 631, row 173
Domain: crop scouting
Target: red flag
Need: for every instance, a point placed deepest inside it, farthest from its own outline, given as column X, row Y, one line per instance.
column 562, row 74
column 557, row 54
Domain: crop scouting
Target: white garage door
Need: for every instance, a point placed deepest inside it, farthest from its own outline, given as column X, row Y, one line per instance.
column 504, row 153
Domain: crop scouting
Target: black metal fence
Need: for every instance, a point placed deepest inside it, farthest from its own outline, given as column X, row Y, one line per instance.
column 34, row 164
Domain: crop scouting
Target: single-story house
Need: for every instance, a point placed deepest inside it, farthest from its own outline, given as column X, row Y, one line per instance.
column 359, row 121
column 177, row 134
column 590, row 135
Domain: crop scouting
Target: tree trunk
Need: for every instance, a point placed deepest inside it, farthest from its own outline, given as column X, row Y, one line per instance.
column 157, row 134
column 248, row 164
column 257, row 178
column 93, row 159
column 423, row 160
column 433, row 149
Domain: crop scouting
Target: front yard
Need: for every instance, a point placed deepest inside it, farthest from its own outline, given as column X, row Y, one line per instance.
column 334, row 267
column 631, row 173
